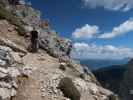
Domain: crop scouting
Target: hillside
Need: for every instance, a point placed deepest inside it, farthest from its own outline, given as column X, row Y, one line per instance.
column 117, row 78
column 111, row 76
column 48, row 74
column 126, row 84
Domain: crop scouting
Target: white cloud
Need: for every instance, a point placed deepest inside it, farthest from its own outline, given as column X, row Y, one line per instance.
column 115, row 5
column 89, row 31
column 86, row 51
column 86, row 31
column 124, row 28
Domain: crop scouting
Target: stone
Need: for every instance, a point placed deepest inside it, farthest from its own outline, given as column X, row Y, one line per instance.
column 5, row 49
column 3, row 70
column 68, row 88
column 13, row 92
column 4, row 93
column 2, row 62
column 82, row 76
column 62, row 66
column 14, row 84
column 5, row 85
column 26, row 70
column 2, row 75
column 4, row 56
column 16, row 57
column 86, row 70
column 14, row 72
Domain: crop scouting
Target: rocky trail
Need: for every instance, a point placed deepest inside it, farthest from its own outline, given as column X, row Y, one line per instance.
column 44, row 76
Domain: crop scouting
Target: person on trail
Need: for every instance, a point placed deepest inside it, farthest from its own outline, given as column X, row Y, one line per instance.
column 34, row 40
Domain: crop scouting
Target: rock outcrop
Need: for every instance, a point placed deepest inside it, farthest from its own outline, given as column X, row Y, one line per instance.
column 9, row 71
column 42, row 75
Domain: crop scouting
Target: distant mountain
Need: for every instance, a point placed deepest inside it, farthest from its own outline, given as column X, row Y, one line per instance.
column 126, row 85
column 95, row 64
column 118, row 78
column 111, row 76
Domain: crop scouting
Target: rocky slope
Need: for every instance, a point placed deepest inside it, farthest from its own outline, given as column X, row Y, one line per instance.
column 47, row 75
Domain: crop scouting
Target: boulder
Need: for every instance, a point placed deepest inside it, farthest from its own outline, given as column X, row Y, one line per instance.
column 63, row 66
column 68, row 88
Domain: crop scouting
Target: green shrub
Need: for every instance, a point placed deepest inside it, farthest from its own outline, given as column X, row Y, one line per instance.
column 68, row 88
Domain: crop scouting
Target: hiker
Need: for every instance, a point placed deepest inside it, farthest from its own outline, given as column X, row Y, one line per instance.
column 34, row 40
column 69, row 49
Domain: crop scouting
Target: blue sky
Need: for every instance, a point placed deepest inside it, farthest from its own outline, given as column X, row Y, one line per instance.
column 84, row 21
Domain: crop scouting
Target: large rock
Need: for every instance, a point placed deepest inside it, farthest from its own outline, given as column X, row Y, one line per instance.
column 69, row 89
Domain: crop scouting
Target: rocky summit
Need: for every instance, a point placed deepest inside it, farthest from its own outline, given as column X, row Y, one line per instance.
column 49, row 74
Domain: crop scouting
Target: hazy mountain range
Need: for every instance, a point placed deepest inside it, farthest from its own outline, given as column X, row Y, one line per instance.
column 94, row 64
column 117, row 78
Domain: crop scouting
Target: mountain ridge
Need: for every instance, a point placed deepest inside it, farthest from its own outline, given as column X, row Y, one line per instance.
column 117, row 78
column 95, row 64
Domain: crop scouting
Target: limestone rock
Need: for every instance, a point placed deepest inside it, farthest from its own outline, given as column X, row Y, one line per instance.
column 4, row 94
column 69, row 89
column 16, row 57
column 12, row 45
column 8, row 74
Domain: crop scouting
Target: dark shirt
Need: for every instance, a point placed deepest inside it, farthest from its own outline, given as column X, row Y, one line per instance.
column 34, row 35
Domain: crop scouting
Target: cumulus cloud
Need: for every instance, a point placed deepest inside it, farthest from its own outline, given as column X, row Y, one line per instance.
column 124, row 28
column 86, row 51
column 86, row 31
column 115, row 5
column 89, row 31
